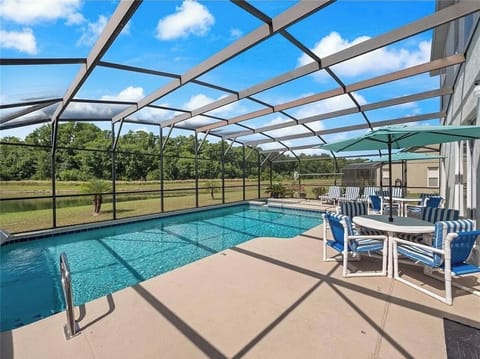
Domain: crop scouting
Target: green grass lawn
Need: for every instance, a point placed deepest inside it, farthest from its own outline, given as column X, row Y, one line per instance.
column 69, row 213
column 35, row 214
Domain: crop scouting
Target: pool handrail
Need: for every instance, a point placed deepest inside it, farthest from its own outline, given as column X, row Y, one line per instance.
column 71, row 328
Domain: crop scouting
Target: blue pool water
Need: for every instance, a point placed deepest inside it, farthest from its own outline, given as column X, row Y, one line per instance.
column 106, row 260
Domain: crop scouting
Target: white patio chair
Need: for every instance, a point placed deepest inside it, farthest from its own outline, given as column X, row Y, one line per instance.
column 451, row 246
column 332, row 195
column 433, row 201
column 432, row 215
column 347, row 241
column 368, row 191
column 351, row 194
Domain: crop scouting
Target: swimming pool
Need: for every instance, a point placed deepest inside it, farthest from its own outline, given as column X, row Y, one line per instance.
column 106, row 260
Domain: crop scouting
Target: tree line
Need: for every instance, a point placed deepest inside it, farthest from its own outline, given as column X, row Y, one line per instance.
column 83, row 153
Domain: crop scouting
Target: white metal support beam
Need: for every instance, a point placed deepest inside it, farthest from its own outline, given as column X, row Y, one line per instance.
column 375, row 81
column 397, row 121
column 115, row 25
column 287, row 18
column 347, row 111
column 26, row 111
column 438, row 18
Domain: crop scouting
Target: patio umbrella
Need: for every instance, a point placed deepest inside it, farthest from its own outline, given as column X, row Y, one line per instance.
column 398, row 137
column 403, row 157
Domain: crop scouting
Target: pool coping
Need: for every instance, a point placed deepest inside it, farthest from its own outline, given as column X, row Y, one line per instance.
column 45, row 233
column 264, row 298
column 300, row 205
column 257, row 205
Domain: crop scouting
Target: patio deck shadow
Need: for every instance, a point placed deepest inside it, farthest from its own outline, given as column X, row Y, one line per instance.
column 264, row 298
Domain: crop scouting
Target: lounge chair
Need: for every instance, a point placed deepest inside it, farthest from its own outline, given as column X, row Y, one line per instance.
column 451, row 246
column 347, row 241
column 368, row 191
column 351, row 194
column 332, row 195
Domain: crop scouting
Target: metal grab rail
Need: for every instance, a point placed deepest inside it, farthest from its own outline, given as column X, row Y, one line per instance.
column 71, row 328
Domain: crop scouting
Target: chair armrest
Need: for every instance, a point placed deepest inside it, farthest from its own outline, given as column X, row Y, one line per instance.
column 414, row 206
column 419, row 245
column 361, row 236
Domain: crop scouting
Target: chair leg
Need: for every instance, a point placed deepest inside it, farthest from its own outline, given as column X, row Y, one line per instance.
column 324, row 239
column 447, row 299
column 453, row 283
column 345, row 262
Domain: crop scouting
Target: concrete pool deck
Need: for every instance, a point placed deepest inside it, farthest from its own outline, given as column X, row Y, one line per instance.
column 266, row 298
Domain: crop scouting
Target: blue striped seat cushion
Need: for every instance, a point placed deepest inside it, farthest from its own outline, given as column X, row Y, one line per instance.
column 419, row 254
column 355, row 245
column 434, row 215
column 412, row 237
column 442, row 228
column 368, row 245
column 364, row 231
column 353, row 209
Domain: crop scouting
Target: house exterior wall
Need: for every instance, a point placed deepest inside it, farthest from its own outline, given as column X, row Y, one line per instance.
column 417, row 176
column 417, row 179
column 463, row 109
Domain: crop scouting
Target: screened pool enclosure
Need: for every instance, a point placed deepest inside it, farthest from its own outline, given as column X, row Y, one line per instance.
column 140, row 121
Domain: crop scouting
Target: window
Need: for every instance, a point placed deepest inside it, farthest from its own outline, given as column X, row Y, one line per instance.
column 432, row 177
column 385, row 175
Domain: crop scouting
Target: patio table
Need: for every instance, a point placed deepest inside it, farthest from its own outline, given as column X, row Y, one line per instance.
column 402, row 204
column 399, row 225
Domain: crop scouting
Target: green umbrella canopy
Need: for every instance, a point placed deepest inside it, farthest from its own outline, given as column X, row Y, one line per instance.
column 407, row 156
column 404, row 136
column 398, row 137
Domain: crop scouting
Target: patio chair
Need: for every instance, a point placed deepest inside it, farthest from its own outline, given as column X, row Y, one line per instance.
column 375, row 204
column 332, row 195
column 433, row 201
column 397, row 192
column 351, row 194
column 368, row 191
column 432, row 215
column 452, row 245
column 353, row 208
column 347, row 241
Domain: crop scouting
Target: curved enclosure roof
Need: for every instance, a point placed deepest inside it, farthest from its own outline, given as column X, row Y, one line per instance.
column 280, row 76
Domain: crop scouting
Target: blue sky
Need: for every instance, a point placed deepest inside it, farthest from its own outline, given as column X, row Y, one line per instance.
column 174, row 36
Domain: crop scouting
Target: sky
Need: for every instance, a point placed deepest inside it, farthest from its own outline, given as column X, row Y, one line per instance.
column 174, row 36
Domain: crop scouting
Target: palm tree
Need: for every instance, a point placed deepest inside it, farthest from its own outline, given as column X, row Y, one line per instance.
column 212, row 187
column 97, row 188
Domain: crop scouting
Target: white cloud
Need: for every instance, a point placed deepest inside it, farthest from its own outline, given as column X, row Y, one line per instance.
column 190, row 18
column 375, row 62
column 196, row 121
column 287, row 131
column 329, row 105
column 92, row 31
column 200, row 100
column 34, row 11
column 131, row 93
column 23, row 41
column 197, row 101
column 235, row 33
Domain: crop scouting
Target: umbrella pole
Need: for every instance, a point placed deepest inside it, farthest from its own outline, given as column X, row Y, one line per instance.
column 390, row 218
